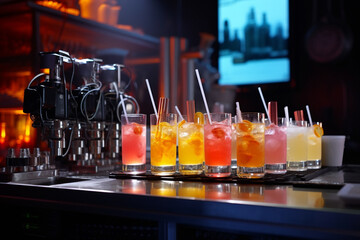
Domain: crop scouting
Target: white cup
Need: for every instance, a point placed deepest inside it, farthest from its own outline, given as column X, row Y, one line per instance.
column 332, row 150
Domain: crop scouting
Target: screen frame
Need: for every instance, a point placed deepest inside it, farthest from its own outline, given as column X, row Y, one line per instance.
column 290, row 83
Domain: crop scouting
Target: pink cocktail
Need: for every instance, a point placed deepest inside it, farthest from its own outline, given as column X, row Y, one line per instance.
column 133, row 132
column 217, row 141
column 275, row 149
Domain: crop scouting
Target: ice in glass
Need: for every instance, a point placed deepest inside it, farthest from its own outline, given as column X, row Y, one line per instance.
column 191, row 148
column 163, row 144
column 217, row 140
column 133, row 132
column 315, row 133
column 250, row 145
column 275, row 147
column 297, row 146
column 233, row 141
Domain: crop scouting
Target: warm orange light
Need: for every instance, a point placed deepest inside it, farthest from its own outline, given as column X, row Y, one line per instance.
column 46, row 70
column 16, row 128
column 3, row 133
column 57, row 5
column 20, row 140
column 27, row 131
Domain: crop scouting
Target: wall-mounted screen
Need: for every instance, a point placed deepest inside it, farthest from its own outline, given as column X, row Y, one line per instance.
column 253, row 41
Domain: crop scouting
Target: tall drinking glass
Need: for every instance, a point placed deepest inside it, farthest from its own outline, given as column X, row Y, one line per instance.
column 275, row 147
column 250, row 145
column 297, row 146
column 163, row 144
column 191, row 148
column 217, row 140
column 315, row 133
column 233, row 142
column 133, row 135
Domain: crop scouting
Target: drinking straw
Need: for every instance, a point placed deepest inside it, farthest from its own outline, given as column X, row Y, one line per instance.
column 299, row 115
column 273, row 111
column 309, row 115
column 190, row 109
column 152, row 98
column 178, row 111
column 166, row 105
column 124, row 109
column 286, row 109
column 163, row 105
column 263, row 101
column 238, row 112
column 203, row 94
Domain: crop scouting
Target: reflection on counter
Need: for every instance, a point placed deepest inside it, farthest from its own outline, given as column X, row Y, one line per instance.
column 191, row 190
column 132, row 186
column 272, row 194
column 163, row 188
column 304, row 198
column 249, row 192
column 276, row 194
column 218, row 191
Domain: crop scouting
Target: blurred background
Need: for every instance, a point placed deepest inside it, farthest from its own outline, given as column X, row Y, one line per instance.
column 165, row 40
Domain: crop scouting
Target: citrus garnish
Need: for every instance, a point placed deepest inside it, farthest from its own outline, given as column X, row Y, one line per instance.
column 318, row 130
column 199, row 118
column 137, row 129
column 218, row 132
column 245, row 126
column 181, row 123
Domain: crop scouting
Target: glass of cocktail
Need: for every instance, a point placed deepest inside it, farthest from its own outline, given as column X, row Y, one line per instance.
column 296, row 134
column 315, row 133
column 133, row 135
column 163, row 143
column 217, row 140
column 191, row 147
column 275, row 147
column 233, row 141
column 250, row 145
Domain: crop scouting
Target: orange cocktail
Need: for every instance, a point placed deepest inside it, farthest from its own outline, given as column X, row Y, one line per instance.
column 163, row 144
column 250, row 146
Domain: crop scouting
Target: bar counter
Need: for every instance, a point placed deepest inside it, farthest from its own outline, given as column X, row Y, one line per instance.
column 100, row 207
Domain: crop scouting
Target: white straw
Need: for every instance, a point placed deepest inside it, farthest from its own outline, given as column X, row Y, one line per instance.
column 203, row 94
column 238, row 112
column 286, row 109
column 124, row 109
column 263, row 101
column 178, row 111
column 309, row 115
column 152, row 98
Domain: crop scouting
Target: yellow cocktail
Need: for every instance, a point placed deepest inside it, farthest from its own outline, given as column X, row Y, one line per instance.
column 191, row 148
column 297, row 146
column 314, row 146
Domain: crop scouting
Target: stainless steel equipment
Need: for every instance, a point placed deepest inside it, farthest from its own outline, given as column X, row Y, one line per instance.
column 77, row 106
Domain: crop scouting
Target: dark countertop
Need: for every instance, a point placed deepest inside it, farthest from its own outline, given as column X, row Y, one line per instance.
column 312, row 210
